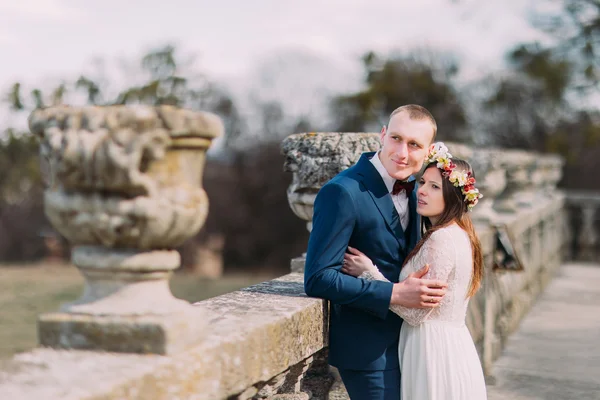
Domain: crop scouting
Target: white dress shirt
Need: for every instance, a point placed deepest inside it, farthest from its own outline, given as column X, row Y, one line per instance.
column 400, row 200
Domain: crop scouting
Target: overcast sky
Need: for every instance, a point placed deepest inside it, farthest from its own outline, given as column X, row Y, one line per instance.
column 47, row 38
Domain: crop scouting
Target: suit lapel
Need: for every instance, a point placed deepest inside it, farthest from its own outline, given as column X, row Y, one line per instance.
column 380, row 195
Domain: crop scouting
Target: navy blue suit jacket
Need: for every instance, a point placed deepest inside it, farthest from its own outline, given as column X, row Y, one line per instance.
column 355, row 209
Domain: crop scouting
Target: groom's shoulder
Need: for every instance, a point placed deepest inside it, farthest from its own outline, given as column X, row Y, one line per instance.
column 345, row 183
column 347, row 178
column 350, row 177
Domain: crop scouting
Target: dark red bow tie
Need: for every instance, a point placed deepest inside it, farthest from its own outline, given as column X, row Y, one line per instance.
column 400, row 186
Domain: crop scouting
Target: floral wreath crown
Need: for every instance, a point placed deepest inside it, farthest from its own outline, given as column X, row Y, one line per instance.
column 440, row 155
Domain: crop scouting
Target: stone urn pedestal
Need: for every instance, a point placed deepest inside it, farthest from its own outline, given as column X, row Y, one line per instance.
column 125, row 189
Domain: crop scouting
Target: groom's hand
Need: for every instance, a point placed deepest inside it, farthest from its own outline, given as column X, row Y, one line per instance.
column 416, row 292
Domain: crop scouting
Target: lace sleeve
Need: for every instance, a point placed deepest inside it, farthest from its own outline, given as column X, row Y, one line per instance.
column 373, row 275
column 440, row 253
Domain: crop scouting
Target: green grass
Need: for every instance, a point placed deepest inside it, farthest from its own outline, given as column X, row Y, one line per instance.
column 27, row 291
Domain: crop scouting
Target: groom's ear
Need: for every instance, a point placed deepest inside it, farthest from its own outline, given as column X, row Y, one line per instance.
column 382, row 134
column 427, row 153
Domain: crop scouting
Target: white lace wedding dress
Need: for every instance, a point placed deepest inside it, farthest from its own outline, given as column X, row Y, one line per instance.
column 438, row 360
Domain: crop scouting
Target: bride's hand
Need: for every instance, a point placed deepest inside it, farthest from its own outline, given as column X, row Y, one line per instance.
column 356, row 262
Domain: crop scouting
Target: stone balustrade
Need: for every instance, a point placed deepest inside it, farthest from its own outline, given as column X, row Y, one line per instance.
column 584, row 224
column 267, row 341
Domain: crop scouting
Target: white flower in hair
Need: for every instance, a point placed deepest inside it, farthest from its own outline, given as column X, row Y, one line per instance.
column 461, row 177
column 439, row 151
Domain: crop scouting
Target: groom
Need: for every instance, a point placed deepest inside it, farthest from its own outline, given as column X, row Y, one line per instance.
column 372, row 207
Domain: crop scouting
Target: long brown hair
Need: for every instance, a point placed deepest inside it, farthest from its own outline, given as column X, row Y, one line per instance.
column 455, row 210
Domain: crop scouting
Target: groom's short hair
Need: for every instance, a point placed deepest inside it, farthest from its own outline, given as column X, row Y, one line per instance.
column 418, row 113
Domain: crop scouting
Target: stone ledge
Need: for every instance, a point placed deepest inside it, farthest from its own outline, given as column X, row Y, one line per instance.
column 166, row 334
column 253, row 334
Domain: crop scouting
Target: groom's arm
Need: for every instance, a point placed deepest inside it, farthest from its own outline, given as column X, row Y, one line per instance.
column 333, row 223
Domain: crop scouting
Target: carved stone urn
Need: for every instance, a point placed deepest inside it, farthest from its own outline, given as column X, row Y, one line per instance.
column 125, row 189
column 314, row 158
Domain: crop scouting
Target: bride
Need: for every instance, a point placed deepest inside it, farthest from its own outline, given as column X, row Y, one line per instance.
column 438, row 359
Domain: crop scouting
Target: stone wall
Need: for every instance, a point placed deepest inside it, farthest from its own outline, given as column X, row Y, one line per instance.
column 537, row 237
column 269, row 341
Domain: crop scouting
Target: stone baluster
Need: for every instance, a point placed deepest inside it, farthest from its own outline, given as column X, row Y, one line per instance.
column 491, row 181
column 315, row 158
column 519, row 167
column 125, row 190
column 587, row 239
column 530, row 194
column 553, row 172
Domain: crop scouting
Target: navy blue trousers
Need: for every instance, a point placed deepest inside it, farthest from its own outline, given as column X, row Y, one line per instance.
column 372, row 385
